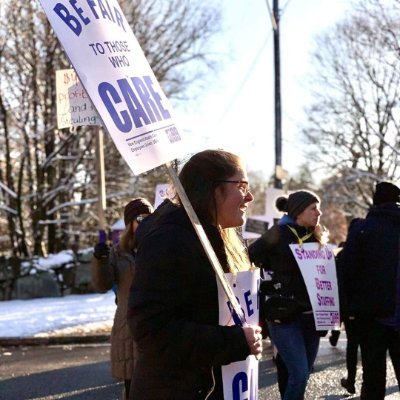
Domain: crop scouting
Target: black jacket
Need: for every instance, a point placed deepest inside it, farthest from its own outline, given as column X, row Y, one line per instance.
column 370, row 261
column 173, row 312
column 272, row 253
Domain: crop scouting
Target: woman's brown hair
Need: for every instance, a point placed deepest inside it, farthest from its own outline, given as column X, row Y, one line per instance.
column 202, row 174
column 199, row 177
column 127, row 239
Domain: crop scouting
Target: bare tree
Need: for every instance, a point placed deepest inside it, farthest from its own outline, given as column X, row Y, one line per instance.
column 48, row 188
column 353, row 123
column 173, row 34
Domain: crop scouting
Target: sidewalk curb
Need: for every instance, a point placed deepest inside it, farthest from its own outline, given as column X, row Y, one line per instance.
column 53, row 340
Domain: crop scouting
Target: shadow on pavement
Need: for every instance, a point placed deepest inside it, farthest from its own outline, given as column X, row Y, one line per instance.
column 90, row 381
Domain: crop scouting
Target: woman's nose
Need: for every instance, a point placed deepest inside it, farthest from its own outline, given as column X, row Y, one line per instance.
column 249, row 197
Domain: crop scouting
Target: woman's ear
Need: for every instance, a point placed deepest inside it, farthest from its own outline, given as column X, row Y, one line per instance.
column 219, row 195
column 218, row 199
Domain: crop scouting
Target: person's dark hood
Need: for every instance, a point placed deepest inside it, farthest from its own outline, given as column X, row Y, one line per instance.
column 151, row 222
column 387, row 210
column 169, row 213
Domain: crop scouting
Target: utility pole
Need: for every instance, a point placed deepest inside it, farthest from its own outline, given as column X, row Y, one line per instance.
column 278, row 110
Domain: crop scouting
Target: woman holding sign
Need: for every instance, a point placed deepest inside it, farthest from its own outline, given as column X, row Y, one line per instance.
column 173, row 307
column 292, row 332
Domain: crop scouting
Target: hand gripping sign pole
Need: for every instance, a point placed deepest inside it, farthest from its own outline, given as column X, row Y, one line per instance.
column 126, row 94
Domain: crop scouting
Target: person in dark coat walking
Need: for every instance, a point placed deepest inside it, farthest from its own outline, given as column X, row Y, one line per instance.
column 115, row 267
column 352, row 335
column 371, row 279
column 173, row 305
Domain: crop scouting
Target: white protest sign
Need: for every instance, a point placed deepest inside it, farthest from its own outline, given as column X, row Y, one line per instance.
column 115, row 73
column 74, row 107
column 317, row 266
column 163, row 191
column 240, row 379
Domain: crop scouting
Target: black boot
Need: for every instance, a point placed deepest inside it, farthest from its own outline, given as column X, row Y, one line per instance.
column 334, row 337
column 348, row 385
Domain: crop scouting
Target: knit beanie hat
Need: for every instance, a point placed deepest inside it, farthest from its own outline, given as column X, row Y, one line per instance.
column 296, row 203
column 386, row 192
column 136, row 207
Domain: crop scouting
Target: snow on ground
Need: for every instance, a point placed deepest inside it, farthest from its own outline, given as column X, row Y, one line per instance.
column 26, row 318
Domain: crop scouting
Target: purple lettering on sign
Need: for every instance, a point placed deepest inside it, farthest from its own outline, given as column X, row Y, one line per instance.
column 325, row 300
column 321, row 269
column 323, row 285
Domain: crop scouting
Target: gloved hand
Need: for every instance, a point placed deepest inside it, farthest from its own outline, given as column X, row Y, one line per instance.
column 101, row 250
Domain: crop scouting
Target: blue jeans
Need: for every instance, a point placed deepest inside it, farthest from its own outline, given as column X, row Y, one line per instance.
column 297, row 343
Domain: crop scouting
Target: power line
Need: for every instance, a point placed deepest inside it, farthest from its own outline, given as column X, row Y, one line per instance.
column 250, row 70
column 245, row 79
column 285, row 6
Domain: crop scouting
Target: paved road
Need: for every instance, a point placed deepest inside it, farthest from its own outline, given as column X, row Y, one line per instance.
column 57, row 372
column 324, row 382
column 83, row 372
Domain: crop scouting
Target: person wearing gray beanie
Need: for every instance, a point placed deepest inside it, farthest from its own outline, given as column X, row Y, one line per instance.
column 293, row 333
column 296, row 202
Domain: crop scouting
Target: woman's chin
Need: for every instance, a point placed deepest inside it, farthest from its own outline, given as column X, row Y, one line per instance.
column 241, row 220
column 234, row 222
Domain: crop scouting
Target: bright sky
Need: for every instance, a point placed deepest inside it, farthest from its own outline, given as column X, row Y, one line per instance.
column 237, row 112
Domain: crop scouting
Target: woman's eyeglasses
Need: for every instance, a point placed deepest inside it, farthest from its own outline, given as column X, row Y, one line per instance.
column 243, row 186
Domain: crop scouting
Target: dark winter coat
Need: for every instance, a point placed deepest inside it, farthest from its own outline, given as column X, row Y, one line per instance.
column 173, row 312
column 272, row 253
column 118, row 270
column 369, row 263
